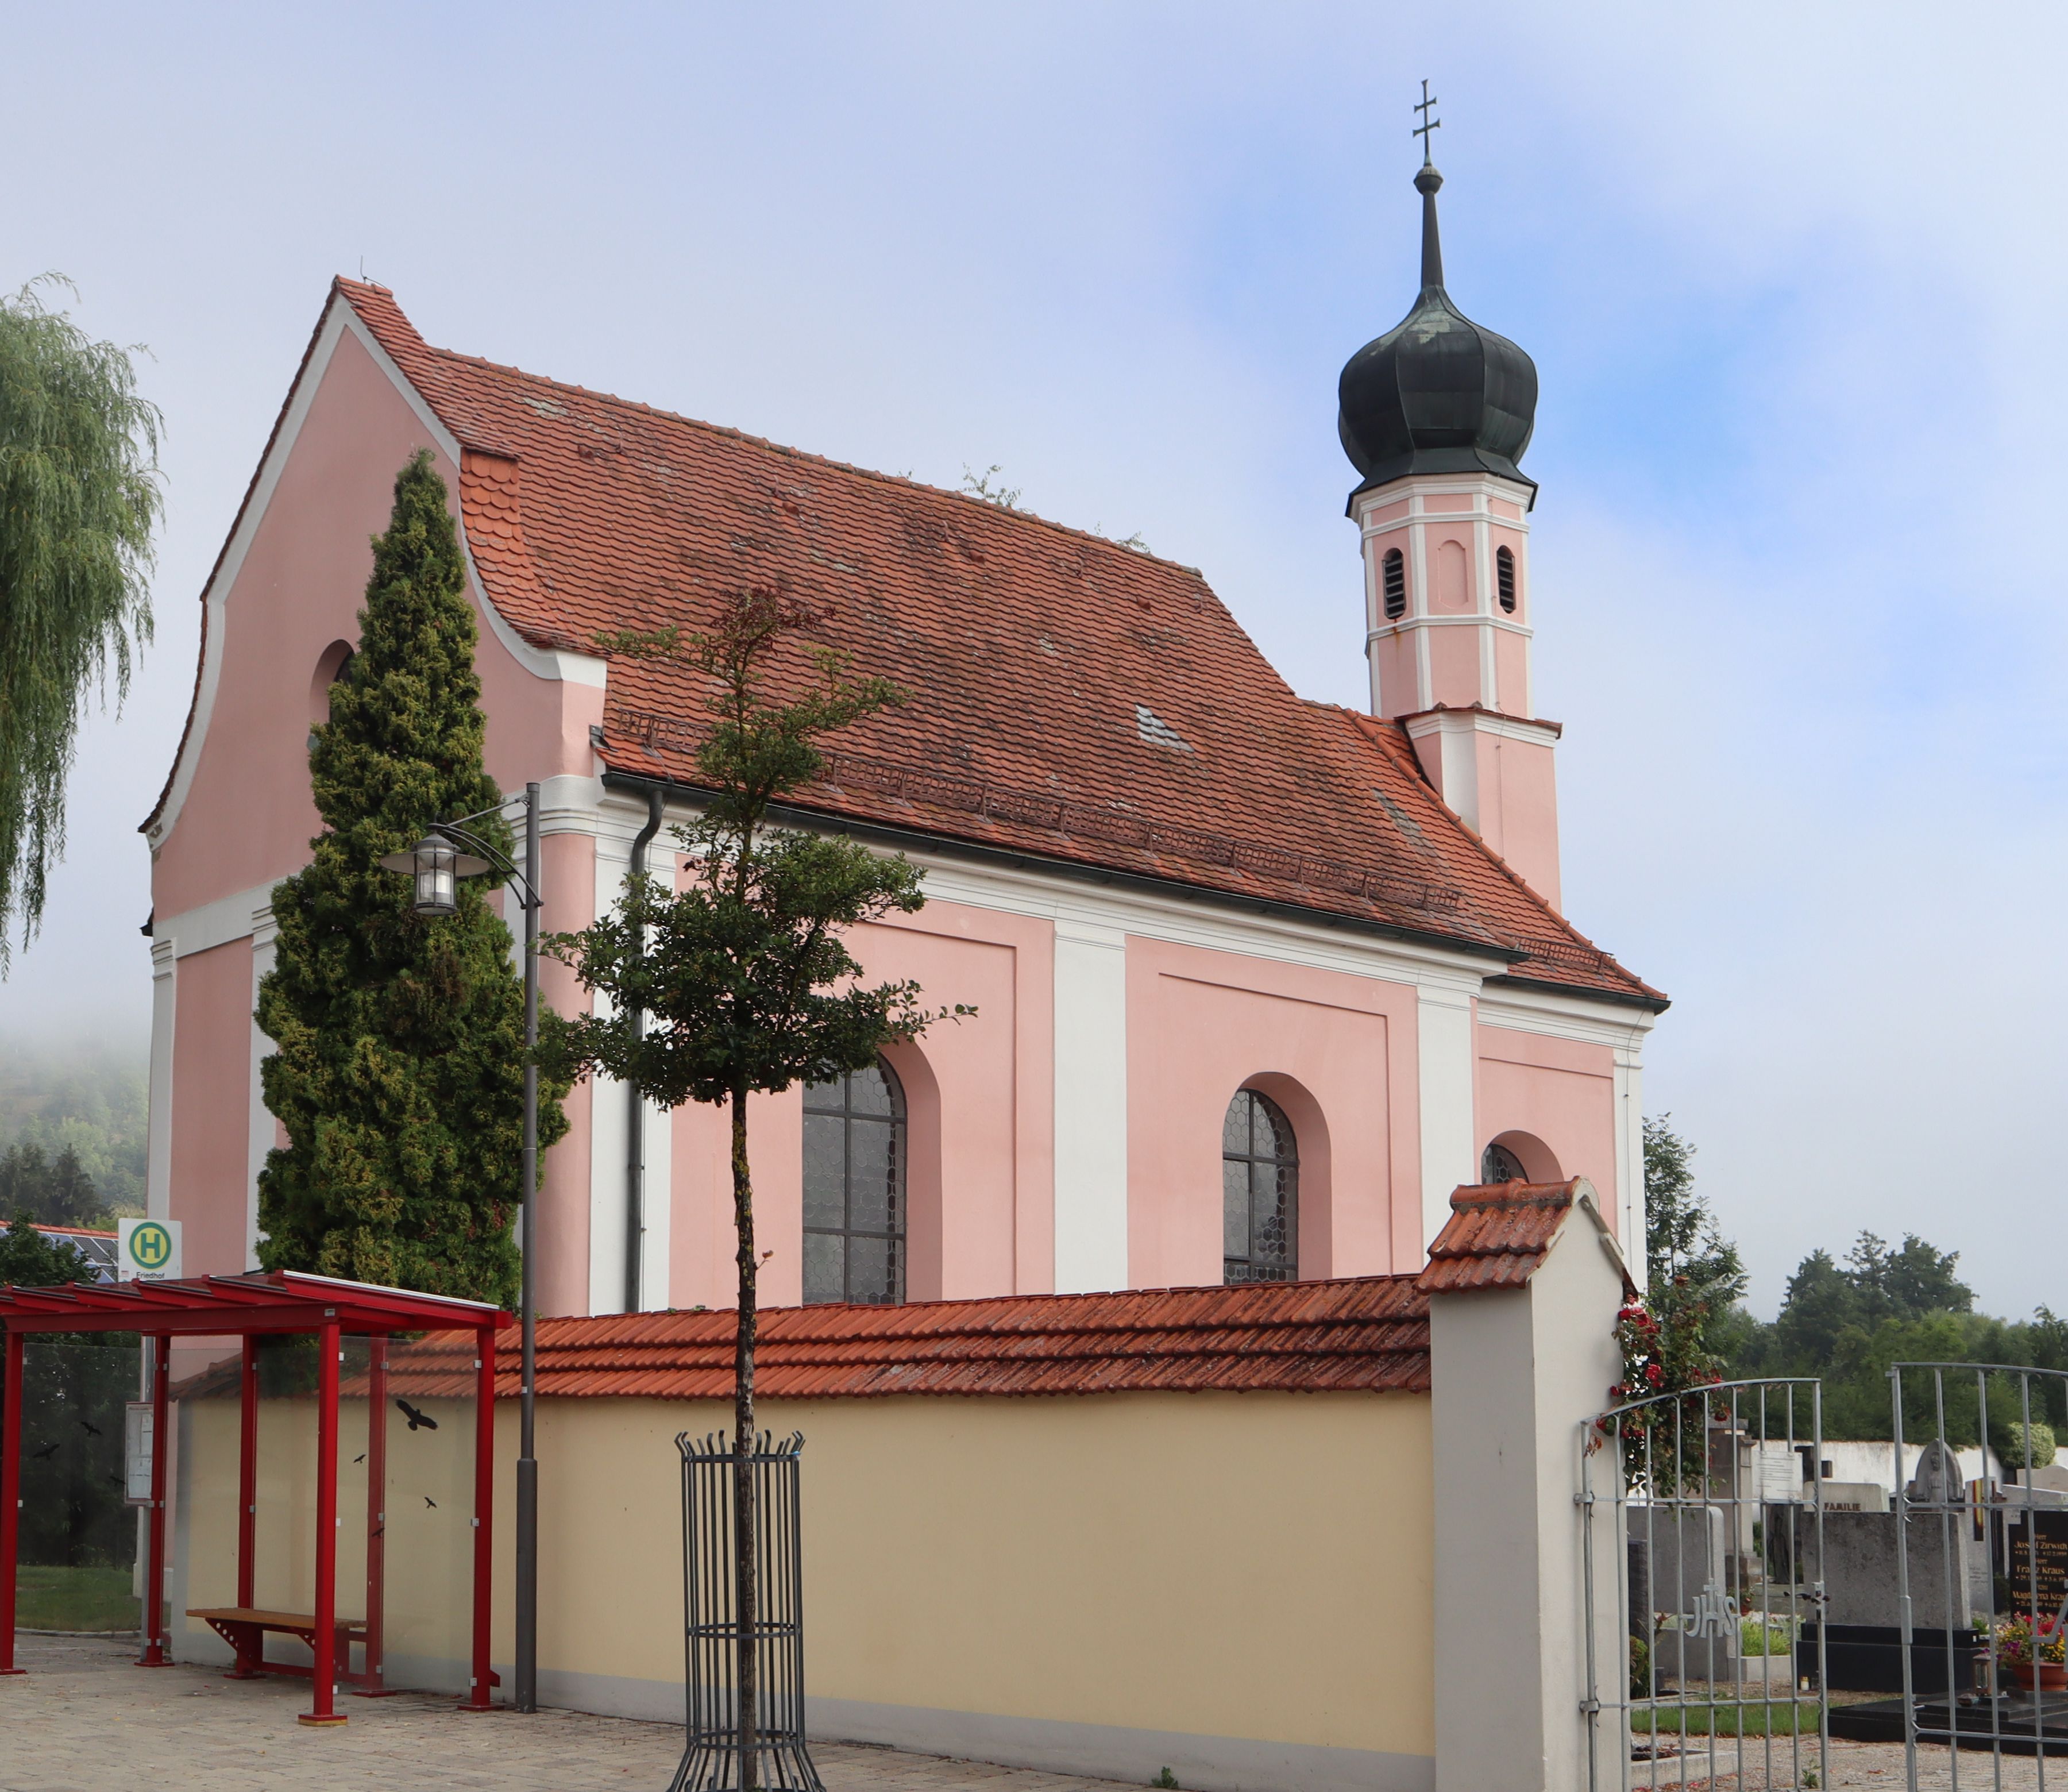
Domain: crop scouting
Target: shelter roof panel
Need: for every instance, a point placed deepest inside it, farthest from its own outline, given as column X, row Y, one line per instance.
column 279, row 1301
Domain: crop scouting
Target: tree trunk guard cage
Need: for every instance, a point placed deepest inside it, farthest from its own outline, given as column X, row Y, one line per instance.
column 711, row 1621
column 248, row 1308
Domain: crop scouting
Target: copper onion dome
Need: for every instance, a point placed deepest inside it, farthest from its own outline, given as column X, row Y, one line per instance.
column 1437, row 393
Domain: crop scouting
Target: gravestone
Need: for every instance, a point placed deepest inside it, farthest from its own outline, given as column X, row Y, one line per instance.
column 2038, row 1550
column 1685, row 1602
column 1639, row 1584
column 1853, row 1496
column 1684, row 1548
column 1939, row 1479
column 1948, row 1567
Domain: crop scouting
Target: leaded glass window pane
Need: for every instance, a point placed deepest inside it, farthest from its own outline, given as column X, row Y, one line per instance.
column 854, row 1188
column 1260, row 1192
column 1500, row 1165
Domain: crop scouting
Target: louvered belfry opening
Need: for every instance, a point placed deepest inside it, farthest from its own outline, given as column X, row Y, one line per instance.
column 1395, row 572
column 711, row 1619
column 1503, row 572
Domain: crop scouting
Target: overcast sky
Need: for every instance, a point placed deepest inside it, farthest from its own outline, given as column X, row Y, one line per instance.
column 1792, row 276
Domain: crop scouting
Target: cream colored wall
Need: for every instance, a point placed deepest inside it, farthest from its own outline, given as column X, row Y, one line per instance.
column 1253, row 1565
column 427, row 1522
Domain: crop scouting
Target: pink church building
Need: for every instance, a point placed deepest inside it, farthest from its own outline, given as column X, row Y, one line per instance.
column 1259, row 980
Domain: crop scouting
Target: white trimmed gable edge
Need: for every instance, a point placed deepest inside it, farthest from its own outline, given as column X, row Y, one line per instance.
column 339, row 318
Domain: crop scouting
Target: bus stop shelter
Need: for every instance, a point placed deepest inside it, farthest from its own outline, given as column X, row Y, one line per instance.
column 249, row 1308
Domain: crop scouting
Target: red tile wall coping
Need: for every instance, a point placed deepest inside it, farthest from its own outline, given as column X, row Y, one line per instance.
column 1359, row 1334
column 1363, row 1334
column 1497, row 1236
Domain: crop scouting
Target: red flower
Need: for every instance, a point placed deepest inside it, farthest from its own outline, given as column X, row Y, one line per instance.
column 1654, row 1373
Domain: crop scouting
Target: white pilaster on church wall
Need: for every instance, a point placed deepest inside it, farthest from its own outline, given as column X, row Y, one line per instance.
column 614, row 824
column 1630, row 1215
column 1091, row 1106
column 158, row 1137
column 1445, row 1060
column 265, row 939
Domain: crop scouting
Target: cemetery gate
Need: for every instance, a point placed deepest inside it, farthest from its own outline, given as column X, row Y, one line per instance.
column 1981, row 1568
column 1711, row 1505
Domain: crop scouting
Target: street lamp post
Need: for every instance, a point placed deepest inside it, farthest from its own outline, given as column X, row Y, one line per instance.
column 436, row 864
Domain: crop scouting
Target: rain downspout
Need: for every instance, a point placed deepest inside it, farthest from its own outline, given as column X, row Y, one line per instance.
column 635, row 1124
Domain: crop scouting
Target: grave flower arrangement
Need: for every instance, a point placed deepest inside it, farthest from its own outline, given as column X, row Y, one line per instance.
column 2021, row 1640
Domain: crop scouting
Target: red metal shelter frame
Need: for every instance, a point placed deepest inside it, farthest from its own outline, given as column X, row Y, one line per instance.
column 249, row 1307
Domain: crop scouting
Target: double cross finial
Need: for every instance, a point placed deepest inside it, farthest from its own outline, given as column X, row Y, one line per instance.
column 1427, row 124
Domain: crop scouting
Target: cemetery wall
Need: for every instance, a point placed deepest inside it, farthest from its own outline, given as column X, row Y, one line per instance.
column 1238, row 1586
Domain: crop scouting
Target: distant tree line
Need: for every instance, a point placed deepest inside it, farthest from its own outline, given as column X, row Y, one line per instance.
column 1844, row 1321
column 55, row 1190
column 73, row 1126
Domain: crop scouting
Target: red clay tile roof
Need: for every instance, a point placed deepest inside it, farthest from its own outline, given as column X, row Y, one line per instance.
column 1362, row 1334
column 1069, row 698
column 1498, row 1235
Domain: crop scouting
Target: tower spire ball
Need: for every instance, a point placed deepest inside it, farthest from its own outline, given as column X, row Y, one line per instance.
column 1428, row 124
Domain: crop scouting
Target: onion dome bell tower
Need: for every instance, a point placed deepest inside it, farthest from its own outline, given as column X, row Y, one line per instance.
column 1436, row 416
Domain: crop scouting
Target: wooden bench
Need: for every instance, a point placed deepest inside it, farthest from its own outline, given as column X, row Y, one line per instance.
column 244, row 1629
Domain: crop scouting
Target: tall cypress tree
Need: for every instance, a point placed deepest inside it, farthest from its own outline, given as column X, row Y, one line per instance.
column 399, row 1074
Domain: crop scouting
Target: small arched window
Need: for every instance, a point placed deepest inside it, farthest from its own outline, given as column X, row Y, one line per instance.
column 1504, row 575
column 332, row 669
column 1260, row 1192
column 1394, row 572
column 1498, row 1163
column 854, row 1188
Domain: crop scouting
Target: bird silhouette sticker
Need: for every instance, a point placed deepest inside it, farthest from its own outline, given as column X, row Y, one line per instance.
column 44, row 1454
column 418, row 1421
column 91, row 1430
column 430, row 1502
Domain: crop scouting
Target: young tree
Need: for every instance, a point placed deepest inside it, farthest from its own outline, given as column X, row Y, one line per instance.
column 78, row 499
column 742, row 977
column 399, row 1074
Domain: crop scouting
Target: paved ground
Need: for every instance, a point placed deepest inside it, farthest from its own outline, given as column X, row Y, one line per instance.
column 1854, row 1764
column 83, row 1719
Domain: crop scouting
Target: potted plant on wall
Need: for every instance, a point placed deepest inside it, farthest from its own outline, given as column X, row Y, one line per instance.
column 2035, row 1650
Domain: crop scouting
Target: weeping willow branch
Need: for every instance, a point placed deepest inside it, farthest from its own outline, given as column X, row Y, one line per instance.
column 79, row 500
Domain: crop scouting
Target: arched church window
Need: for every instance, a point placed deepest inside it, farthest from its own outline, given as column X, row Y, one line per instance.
column 854, row 1187
column 1504, row 575
column 1499, row 1164
column 1393, row 570
column 332, row 669
column 1260, row 1192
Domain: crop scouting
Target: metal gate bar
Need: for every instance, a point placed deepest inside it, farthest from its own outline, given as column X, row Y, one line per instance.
column 1702, row 1479
column 1977, row 1583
